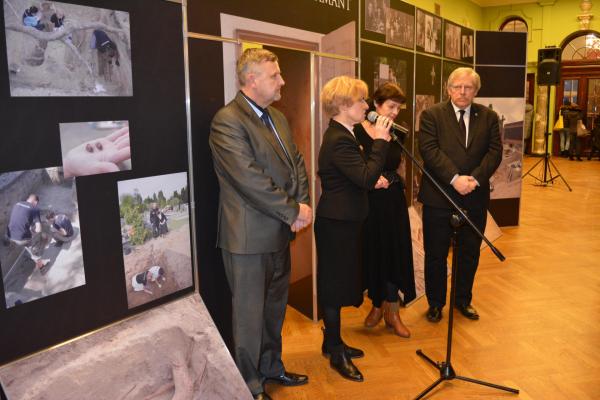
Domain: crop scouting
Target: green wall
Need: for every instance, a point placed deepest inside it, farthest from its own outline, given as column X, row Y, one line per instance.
column 463, row 12
column 549, row 22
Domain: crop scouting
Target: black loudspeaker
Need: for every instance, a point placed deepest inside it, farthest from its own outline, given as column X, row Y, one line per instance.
column 548, row 72
column 552, row 53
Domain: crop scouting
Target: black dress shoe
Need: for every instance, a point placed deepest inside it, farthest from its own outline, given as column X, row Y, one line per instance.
column 262, row 396
column 288, row 379
column 468, row 311
column 343, row 364
column 434, row 314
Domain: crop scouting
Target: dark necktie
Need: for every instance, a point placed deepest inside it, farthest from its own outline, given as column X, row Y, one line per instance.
column 461, row 123
column 266, row 119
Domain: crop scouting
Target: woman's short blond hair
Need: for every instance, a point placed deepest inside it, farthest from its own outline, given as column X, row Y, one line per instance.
column 342, row 90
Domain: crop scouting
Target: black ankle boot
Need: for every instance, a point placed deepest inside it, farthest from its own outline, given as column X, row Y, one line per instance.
column 351, row 352
column 343, row 364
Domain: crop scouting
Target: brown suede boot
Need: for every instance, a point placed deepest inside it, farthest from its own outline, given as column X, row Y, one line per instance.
column 392, row 319
column 374, row 317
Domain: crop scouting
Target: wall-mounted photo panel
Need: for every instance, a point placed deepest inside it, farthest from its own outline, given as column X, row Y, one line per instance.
column 375, row 12
column 452, row 41
column 389, row 21
column 428, row 77
column 40, row 253
column 155, row 232
column 61, row 49
column 429, row 32
column 400, row 24
column 381, row 64
column 173, row 351
column 506, row 181
column 90, row 148
column 467, row 46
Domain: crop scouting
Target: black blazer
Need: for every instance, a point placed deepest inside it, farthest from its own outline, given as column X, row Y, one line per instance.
column 346, row 175
column 442, row 147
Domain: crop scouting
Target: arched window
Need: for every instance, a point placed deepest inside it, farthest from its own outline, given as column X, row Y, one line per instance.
column 514, row 24
column 581, row 46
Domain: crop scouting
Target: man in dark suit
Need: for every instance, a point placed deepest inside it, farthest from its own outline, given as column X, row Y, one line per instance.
column 263, row 200
column 460, row 144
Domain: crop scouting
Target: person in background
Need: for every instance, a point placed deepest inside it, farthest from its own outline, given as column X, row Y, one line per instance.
column 141, row 282
column 595, row 139
column 31, row 17
column 263, row 201
column 563, row 128
column 387, row 245
column 25, row 229
column 460, row 144
column 346, row 177
column 571, row 119
column 60, row 227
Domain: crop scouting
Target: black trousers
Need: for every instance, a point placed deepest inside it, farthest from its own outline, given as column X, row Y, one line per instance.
column 259, row 286
column 437, row 234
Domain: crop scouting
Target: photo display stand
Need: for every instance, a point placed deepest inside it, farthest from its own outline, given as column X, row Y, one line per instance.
column 95, row 128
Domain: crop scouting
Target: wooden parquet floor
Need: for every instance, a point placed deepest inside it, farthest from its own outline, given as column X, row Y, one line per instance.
column 540, row 315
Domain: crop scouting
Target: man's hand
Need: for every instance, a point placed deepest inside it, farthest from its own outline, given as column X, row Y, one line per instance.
column 304, row 218
column 464, row 184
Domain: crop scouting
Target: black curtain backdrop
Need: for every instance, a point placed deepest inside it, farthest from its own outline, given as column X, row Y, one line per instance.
column 31, row 140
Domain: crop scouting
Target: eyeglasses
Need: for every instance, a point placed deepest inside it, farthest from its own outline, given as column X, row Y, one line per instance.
column 466, row 88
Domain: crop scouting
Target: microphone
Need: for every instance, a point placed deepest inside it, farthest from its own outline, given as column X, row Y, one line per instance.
column 372, row 117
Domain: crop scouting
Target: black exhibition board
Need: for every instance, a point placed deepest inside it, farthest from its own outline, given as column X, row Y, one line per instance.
column 156, row 112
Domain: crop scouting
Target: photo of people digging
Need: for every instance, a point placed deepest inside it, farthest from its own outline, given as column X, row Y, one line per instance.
column 155, row 232
column 40, row 251
column 60, row 49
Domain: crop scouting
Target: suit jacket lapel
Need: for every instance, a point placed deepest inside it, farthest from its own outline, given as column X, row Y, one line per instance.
column 473, row 123
column 454, row 124
column 262, row 129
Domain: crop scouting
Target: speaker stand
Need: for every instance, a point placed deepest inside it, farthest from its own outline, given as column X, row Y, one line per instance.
column 547, row 177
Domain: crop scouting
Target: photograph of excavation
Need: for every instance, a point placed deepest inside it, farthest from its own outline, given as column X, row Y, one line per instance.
column 155, row 232
column 40, row 251
column 61, row 49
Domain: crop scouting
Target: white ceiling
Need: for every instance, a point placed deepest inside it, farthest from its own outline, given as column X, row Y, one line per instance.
column 491, row 3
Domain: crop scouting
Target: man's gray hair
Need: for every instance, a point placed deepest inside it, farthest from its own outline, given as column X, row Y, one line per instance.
column 465, row 71
column 249, row 58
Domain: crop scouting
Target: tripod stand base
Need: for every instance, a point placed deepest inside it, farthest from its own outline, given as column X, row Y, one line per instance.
column 447, row 374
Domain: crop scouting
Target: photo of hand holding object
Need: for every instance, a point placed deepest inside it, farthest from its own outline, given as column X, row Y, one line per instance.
column 98, row 156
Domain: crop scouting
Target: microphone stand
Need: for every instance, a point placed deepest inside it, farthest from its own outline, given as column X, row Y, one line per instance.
column 457, row 220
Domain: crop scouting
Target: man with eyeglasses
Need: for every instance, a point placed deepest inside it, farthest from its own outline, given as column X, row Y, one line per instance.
column 460, row 144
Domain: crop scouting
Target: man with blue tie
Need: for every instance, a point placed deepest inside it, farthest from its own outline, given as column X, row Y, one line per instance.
column 263, row 201
column 460, row 144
